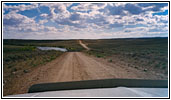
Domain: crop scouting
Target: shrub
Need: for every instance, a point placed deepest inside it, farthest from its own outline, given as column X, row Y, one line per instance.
column 110, row 60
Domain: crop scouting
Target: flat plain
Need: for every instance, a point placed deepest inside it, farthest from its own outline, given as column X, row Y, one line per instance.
column 25, row 65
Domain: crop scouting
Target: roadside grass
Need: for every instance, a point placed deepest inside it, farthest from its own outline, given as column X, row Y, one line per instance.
column 19, row 60
column 16, row 59
column 22, row 56
column 145, row 54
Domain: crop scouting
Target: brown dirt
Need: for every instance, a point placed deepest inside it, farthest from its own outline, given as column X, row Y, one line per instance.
column 83, row 45
column 75, row 66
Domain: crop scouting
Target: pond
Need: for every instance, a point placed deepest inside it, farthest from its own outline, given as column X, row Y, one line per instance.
column 52, row 48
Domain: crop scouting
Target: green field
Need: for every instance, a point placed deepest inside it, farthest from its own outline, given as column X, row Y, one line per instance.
column 145, row 54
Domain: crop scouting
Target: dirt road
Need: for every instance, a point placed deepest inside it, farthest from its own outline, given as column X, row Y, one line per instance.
column 75, row 66
column 83, row 45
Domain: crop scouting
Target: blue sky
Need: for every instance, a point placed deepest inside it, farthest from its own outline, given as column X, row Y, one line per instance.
column 84, row 20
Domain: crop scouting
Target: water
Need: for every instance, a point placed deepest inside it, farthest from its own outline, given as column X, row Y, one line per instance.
column 52, row 48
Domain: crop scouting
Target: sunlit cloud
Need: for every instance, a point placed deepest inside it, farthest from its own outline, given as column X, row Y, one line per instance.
column 84, row 20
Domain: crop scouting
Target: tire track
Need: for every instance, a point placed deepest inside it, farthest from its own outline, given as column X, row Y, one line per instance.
column 74, row 66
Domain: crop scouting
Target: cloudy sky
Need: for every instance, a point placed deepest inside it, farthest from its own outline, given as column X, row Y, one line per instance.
column 84, row 20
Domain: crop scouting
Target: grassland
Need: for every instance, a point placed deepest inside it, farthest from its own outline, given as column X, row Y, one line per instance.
column 22, row 56
column 70, row 45
column 18, row 58
column 147, row 54
column 130, row 58
column 17, row 54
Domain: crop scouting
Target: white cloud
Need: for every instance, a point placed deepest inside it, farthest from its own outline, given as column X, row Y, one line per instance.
column 21, row 7
column 87, row 19
column 89, row 6
column 58, row 11
column 44, row 15
column 43, row 21
column 14, row 19
column 164, row 8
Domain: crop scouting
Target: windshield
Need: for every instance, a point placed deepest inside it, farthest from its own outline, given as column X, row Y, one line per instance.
column 65, row 42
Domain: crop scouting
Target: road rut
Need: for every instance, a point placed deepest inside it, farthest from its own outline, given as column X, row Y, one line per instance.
column 83, row 45
column 74, row 66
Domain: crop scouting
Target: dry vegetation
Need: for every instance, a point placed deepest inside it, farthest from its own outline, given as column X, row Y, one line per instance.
column 22, row 56
column 149, row 55
column 114, row 58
